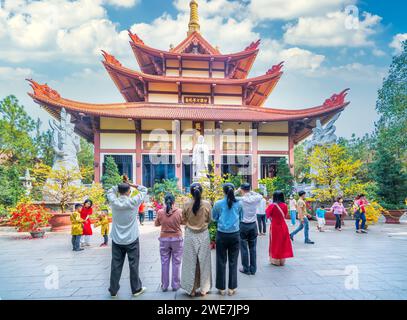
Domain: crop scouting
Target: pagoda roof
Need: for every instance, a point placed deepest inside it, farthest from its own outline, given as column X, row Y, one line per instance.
column 53, row 103
column 131, row 82
column 150, row 59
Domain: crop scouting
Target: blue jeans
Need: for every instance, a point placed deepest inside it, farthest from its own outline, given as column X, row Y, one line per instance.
column 303, row 225
column 150, row 215
column 361, row 216
column 293, row 216
column 76, row 243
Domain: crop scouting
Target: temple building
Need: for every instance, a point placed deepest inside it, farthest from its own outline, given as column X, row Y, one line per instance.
column 190, row 90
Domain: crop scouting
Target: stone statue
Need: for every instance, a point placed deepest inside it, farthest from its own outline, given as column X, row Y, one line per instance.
column 322, row 135
column 27, row 182
column 66, row 144
column 200, row 159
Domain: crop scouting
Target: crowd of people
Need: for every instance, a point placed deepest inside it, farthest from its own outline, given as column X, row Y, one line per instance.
column 240, row 217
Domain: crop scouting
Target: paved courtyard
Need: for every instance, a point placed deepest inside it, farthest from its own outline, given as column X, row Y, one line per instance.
column 341, row 265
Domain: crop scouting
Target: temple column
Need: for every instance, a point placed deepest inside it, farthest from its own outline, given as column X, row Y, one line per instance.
column 290, row 148
column 176, row 129
column 139, row 148
column 217, row 158
column 97, row 164
column 255, row 160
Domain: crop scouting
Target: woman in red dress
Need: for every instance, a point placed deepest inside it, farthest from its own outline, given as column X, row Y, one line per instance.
column 86, row 212
column 280, row 243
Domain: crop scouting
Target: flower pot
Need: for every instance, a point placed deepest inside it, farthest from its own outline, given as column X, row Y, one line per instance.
column 60, row 222
column 37, row 234
column 393, row 216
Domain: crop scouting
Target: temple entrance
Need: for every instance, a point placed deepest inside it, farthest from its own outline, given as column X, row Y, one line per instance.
column 157, row 168
column 124, row 164
column 238, row 165
column 268, row 167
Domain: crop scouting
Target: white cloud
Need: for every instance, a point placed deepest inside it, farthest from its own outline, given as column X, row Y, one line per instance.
column 331, row 31
column 9, row 73
column 273, row 52
column 223, row 8
column 397, row 40
column 291, row 9
column 123, row 3
column 58, row 29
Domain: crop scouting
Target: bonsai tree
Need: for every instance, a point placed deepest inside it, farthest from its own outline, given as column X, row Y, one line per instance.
column 284, row 179
column 111, row 177
column 335, row 173
column 60, row 187
column 27, row 217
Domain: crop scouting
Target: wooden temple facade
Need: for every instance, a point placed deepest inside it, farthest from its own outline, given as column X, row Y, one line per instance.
column 190, row 90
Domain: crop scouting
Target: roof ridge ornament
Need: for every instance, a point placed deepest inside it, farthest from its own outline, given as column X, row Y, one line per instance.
column 193, row 25
column 336, row 99
column 111, row 59
column 253, row 46
column 276, row 68
column 135, row 38
column 44, row 90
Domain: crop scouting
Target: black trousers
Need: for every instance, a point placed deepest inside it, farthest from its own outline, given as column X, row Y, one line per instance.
column 119, row 253
column 338, row 223
column 248, row 242
column 261, row 223
column 227, row 251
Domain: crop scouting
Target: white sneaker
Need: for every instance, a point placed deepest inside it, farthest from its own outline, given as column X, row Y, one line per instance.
column 142, row 290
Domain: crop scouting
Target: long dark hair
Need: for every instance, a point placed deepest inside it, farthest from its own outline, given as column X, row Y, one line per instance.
column 229, row 190
column 169, row 201
column 196, row 192
column 88, row 201
column 278, row 197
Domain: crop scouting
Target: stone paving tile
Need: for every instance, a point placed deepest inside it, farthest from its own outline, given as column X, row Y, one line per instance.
column 314, row 273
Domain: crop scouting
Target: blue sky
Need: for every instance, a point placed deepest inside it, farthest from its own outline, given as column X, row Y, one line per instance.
column 59, row 42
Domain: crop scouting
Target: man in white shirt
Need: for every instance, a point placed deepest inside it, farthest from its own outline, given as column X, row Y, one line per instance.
column 248, row 230
column 125, row 235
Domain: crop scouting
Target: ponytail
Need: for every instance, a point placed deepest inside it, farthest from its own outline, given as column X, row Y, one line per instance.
column 169, row 202
column 196, row 192
column 229, row 190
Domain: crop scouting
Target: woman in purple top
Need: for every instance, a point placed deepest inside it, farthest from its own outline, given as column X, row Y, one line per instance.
column 338, row 209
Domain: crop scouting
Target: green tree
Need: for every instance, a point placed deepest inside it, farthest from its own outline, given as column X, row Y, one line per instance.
column 16, row 144
column 392, row 107
column 111, row 176
column 301, row 164
column 86, row 161
column 11, row 189
column 284, row 179
column 160, row 189
column 390, row 177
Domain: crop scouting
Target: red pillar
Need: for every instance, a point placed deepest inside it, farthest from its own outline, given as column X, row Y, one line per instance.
column 139, row 149
column 97, row 163
column 176, row 129
column 255, row 160
column 217, row 158
column 290, row 148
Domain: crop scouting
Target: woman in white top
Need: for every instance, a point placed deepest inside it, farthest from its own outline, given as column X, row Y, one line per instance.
column 261, row 216
column 293, row 210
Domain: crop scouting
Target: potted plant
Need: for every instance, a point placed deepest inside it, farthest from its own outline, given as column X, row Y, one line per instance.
column 32, row 218
column 64, row 192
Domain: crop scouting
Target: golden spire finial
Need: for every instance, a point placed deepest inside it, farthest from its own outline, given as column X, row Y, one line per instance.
column 193, row 25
